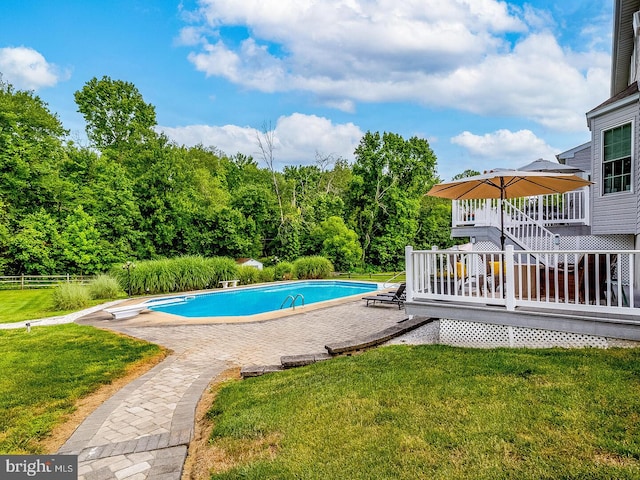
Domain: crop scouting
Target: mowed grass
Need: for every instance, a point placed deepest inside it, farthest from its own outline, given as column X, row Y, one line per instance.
column 19, row 305
column 44, row 372
column 436, row 412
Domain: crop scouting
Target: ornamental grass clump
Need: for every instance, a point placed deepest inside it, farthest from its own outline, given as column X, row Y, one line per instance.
column 147, row 277
column 104, row 287
column 194, row 273
column 70, row 296
column 308, row 268
column 267, row 274
column 153, row 276
column 248, row 275
column 175, row 275
column 224, row 268
column 284, row 271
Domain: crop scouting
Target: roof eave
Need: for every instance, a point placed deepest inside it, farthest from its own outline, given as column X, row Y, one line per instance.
column 622, row 43
column 596, row 112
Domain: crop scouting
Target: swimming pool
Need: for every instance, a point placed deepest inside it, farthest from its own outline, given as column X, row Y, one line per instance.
column 262, row 299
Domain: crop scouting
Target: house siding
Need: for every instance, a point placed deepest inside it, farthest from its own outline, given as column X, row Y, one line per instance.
column 614, row 213
column 581, row 160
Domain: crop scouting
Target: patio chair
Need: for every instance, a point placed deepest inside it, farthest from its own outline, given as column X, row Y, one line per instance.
column 397, row 298
column 482, row 275
column 573, row 272
column 609, row 286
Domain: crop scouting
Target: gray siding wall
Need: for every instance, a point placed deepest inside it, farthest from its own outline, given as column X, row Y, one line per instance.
column 581, row 160
column 615, row 213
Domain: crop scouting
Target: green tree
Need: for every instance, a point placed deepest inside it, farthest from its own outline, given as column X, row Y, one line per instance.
column 435, row 224
column 390, row 175
column 5, row 238
column 106, row 192
column 83, row 251
column 338, row 243
column 36, row 246
column 258, row 204
column 30, row 153
column 231, row 234
column 465, row 174
column 116, row 114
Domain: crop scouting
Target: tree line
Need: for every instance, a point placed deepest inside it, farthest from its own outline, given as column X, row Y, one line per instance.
column 132, row 194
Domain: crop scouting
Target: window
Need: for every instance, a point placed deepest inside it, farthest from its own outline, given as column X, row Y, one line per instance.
column 616, row 162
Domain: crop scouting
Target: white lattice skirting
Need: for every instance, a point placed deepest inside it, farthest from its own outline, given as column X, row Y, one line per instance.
column 480, row 335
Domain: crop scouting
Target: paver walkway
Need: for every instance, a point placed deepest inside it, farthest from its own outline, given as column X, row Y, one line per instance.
column 143, row 431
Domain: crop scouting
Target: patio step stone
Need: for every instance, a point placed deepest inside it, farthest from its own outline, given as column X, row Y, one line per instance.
column 339, row 348
column 257, row 370
column 292, row 361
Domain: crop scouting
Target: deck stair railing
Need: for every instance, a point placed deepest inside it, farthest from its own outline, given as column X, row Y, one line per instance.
column 293, row 300
column 525, row 230
column 519, row 224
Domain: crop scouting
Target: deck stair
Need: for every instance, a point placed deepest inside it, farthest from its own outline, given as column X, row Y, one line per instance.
column 526, row 231
column 348, row 347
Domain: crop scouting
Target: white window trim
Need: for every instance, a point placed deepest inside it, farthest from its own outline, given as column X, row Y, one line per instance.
column 633, row 159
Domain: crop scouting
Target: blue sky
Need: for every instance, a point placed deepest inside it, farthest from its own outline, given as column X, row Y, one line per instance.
column 487, row 83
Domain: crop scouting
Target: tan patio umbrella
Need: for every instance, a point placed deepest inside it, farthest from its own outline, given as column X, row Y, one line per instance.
column 504, row 184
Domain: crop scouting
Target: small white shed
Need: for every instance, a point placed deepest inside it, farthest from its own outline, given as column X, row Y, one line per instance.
column 249, row 262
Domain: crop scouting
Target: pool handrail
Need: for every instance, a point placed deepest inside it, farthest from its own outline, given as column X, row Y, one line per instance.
column 388, row 284
column 293, row 300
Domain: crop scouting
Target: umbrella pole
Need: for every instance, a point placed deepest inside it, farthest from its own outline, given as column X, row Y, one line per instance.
column 502, row 238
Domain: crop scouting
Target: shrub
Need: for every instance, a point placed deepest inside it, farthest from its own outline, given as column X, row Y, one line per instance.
column 248, row 275
column 69, row 296
column 223, row 268
column 175, row 275
column 267, row 274
column 104, row 286
column 150, row 277
column 284, row 271
column 194, row 272
column 313, row 267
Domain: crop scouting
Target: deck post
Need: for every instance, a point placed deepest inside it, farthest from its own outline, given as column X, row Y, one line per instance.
column 408, row 267
column 510, row 291
column 584, row 195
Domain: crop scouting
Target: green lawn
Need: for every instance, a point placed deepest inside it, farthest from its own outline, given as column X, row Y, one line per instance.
column 44, row 372
column 19, row 305
column 436, row 412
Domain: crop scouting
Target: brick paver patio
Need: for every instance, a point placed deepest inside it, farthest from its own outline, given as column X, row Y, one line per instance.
column 143, row 431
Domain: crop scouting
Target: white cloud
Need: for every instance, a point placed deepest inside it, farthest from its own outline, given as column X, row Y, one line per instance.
column 26, row 68
column 453, row 54
column 505, row 148
column 298, row 138
column 537, row 80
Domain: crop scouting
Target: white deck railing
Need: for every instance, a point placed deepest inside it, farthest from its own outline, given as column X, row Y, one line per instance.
column 585, row 280
column 526, row 231
column 561, row 209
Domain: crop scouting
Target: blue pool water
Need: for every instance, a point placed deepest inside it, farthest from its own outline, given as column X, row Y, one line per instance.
column 266, row 298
